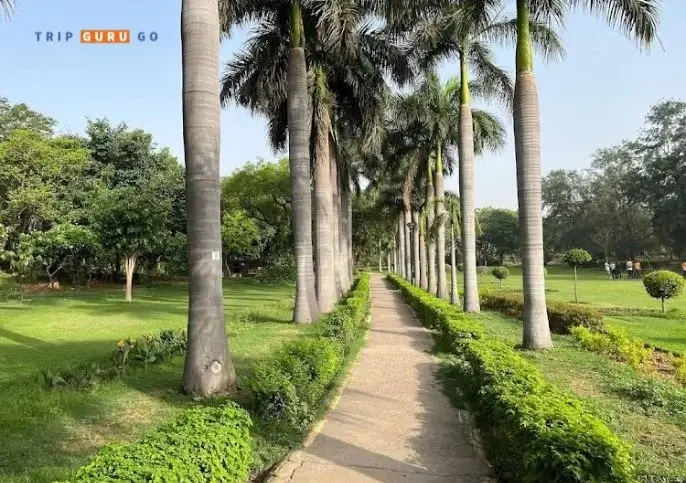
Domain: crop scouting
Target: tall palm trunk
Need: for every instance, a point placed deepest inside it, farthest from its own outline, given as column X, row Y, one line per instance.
column 415, row 247
column 388, row 261
column 306, row 308
column 431, row 239
column 348, row 207
column 466, row 161
column 208, row 369
column 401, row 246
column 423, row 275
column 323, row 213
column 527, row 129
column 442, row 291
column 380, row 256
column 395, row 256
column 336, row 221
column 407, row 218
column 454, row 296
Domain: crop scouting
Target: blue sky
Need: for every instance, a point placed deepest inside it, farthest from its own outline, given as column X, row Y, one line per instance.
column 596, row 97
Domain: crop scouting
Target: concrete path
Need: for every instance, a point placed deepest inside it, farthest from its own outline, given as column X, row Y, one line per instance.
column 392, row 422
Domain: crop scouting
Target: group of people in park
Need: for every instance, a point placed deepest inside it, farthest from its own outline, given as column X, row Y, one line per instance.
column 632, row 267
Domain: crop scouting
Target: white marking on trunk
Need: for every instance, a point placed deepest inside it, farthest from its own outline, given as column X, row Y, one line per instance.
column 215, row 367
column 216, row 256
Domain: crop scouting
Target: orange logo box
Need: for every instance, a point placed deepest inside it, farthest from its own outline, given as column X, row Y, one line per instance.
column 105, row 36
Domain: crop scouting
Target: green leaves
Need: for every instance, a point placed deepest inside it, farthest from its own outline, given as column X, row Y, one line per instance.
column 577, row 256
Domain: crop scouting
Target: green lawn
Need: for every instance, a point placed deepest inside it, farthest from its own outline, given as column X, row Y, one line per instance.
column 43, row 434
column 655, row 428
column 593, row 286
column 597, row 290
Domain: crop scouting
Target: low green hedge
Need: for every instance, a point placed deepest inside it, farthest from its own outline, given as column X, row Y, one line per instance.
column 534, row 431
column 204, row 444
column 562, row 316
column 288, row 386
column 213, row 444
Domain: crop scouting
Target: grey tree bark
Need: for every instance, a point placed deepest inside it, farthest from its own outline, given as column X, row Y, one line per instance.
column 401, row 245
column 431, row 239
column 325, row 284
column 407, row 218
column 208, row 368
column 348, row 206
column 423, row 275
column 415, row 248
column 527, row 128
column 467, row 207
column 454, row 295
column 441, row 278
column 336, row 201
column 388, row 262
column 306, row 308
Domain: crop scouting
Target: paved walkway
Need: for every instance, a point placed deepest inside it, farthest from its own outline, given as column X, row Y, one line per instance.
column 392, row 422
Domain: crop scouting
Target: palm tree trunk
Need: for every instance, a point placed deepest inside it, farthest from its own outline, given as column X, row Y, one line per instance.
column 208, row 368
column 336, row 223
column 306, row 308
column 423, row 276
column 415, row 247
column 454, row 295
column 442, row 291
column 395, row 257
column 431, row 239
column 323, row 220
column 388, row 262
column 407, row 218
column 401, row 246
column 468, row 230
column 527, row 129
column 348, row 211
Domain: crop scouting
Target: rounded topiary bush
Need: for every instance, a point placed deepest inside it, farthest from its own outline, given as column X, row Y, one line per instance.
column 663, row 285
column 501, row 273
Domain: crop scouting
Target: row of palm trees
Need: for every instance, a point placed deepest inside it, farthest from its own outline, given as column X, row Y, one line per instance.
column 318, row 70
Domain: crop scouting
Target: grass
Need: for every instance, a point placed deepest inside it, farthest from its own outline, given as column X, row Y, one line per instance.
column 653, row 420
column 44, row 435
column 593, row 286
column 596, row 289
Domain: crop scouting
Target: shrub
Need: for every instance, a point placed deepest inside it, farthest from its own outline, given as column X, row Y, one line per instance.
column 501, row 273
column 561, row 315
column 534, row 430
column 615, row 343
column 663, row 285
column 204, row 444
column 142, row 351
column 288, row 386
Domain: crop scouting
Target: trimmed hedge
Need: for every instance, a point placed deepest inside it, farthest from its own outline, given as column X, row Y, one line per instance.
column 204, row 444
column 534, row 430
column 562, row 316
column 289, row 385
column 213, row 444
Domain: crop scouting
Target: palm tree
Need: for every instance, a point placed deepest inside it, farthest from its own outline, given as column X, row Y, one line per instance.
column 345, row 61
column 453, row 206
column 638, row 19
column 280, row 30
column 7, row 6
column 208, row 369
column 429, row 111
column 463, row 30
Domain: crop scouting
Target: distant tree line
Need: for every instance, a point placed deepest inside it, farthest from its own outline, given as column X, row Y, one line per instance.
column 631, row 202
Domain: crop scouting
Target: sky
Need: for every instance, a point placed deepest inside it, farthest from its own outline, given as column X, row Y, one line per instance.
column 596, row 97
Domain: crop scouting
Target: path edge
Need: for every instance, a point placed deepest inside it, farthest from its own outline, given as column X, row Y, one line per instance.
column 284, row 470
